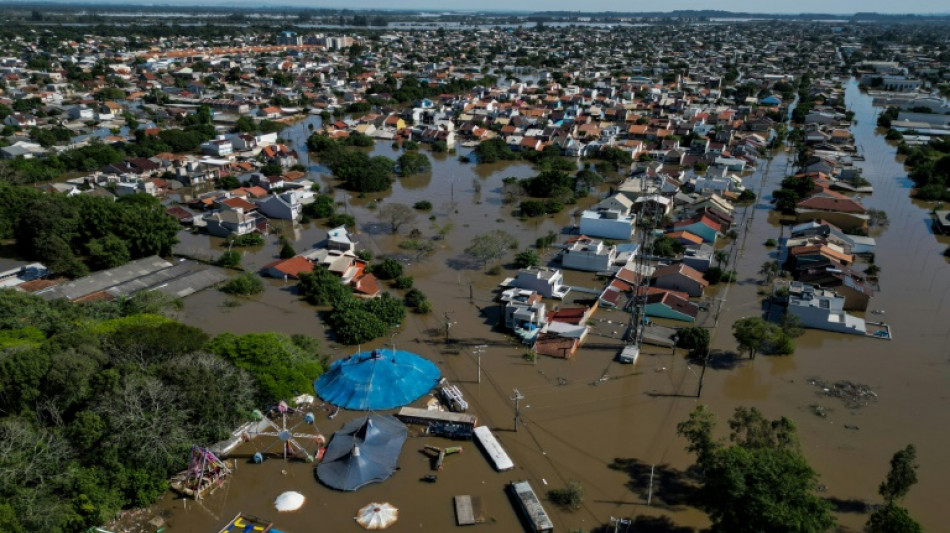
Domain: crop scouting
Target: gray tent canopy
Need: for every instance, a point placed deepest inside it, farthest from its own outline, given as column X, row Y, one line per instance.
column 363, row 451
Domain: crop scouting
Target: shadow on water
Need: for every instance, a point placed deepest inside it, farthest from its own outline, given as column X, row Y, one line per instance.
column 721, row 360
column 646, row 524
column 839, row 505
column 463, row 262
column 672, row 489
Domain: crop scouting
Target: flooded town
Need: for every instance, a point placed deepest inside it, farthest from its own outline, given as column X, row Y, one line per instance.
column 304, row 269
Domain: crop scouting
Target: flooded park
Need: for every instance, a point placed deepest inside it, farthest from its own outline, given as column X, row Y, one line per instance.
column 591, row 419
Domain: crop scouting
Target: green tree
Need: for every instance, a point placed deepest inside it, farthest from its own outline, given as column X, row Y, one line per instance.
column 664, row 246
column 697, row 431
column 694, row 339
column 413, row 162
column 760, row 482
column 388, row 269
column 892, row 518
column 245, row 284
column 488, row 247
column 527, row 258
column 902, row 475
column 287, row 250
column 229, row 259
column 107, row 252
column 396, row 215
column 322, row 287
column 755, row 335
column 280, row 367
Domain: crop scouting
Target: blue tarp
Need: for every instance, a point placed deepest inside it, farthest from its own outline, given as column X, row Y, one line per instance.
column 377, row 380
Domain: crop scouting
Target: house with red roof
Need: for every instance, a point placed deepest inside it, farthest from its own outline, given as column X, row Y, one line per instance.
column 668, row 304
column 701, row 225
column 834, row 207
column 289, row 268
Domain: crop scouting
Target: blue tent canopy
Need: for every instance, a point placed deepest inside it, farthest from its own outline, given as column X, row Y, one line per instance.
column 377, row 380
column 363, row 451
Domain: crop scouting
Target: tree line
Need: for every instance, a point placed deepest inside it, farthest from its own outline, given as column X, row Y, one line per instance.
column 73, row 234
column 100, row 402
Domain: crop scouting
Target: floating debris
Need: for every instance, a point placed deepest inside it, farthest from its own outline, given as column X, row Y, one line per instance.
column 819, row 410
column 854, row 395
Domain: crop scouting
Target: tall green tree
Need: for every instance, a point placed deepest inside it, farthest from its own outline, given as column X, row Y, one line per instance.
column 902, row 475
column 891, row 517
column 760, row 482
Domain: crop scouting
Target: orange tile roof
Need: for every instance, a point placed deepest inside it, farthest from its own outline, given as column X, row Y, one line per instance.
column 293, row 267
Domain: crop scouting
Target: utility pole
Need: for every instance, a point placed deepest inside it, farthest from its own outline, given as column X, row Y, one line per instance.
column 478, row 355
column 650, row 494
column 517, row 398
column 702, row 374
column 448, row 324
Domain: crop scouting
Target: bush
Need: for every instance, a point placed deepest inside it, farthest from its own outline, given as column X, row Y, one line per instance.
column 246, row 240
column 321, row 207
column 287, row 250
column 415, row 298
column 570, row 497
column 746, row 196
column 771, row 243
column 413, row 163
column 229, row 259
column 423, row 205
column 403, row 282
column 339, row 219
column 244, row 285
column 527, row 258
column 694, row 339
column 388, row 269
column 424, row 307
column 365, row 255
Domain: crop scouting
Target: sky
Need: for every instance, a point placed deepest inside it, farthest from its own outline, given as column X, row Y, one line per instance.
column 748, row 6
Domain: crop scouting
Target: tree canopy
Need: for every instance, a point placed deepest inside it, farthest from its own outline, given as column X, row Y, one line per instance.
column 100, row 402
column 488, row 247
column 759, row 482
column 72, row 234
column 359, row 171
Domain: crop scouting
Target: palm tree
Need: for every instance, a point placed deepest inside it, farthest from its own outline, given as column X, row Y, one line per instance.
column 721, row 256
column 770, row 269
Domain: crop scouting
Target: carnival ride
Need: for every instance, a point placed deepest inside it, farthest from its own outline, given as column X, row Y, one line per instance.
column 281, row 428
column 205, row 472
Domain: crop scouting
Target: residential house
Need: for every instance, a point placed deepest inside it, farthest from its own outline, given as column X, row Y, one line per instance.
column 607, row 224
column 339, row 239
column 702, row 225
column 698, row 257
column 280, row 155
column 283, row 206
column 289, row 268
column 228, row 222
column 218, row 147
column 548, row 282
column 822, row 309
column 833, row 207
column 667, row 304
column 525, row 313
column 617, row 202
column 585, row 253
column 19, row 120
column 680, row 277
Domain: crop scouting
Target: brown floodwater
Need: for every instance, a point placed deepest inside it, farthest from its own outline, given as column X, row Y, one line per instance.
column 591, row 419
